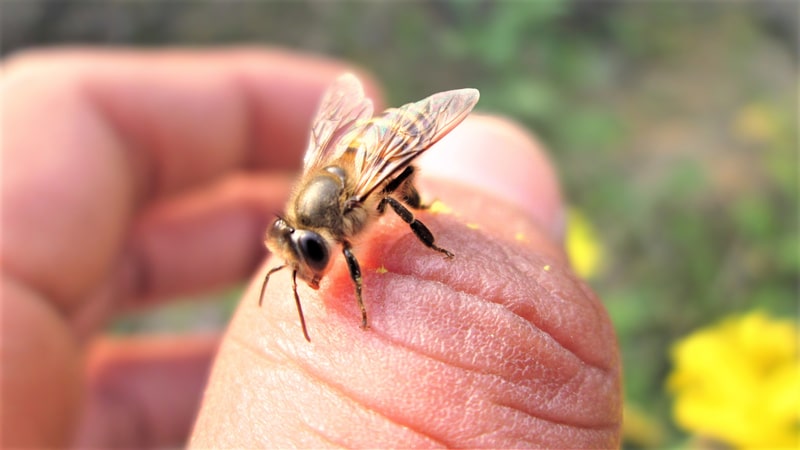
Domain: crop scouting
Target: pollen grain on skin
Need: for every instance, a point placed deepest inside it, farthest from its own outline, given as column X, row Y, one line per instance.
column 547, row 267
column 437, row 207
column 381, row 270
column 520, row 236
column 473, row 226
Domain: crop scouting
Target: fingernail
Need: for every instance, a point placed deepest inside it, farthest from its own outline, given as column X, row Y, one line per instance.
column 500, row 158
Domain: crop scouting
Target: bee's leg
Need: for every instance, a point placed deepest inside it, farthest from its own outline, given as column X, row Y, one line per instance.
column 398, row 180
column 264, row 284
column 355, row 275
column 299, row 308
column 412, row 199
column 422, row 232
column 404, row 183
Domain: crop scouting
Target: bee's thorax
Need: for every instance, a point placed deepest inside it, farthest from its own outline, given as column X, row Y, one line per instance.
column 318, row 204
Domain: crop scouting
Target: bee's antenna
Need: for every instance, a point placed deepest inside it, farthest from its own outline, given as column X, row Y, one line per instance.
column 264, row 284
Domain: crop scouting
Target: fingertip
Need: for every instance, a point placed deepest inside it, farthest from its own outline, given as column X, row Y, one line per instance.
column 499, row 157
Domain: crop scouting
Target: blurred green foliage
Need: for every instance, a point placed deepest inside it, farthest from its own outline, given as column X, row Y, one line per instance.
column 673, row 124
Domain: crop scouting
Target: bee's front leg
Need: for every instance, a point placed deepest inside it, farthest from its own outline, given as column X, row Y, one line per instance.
column 299, row 308
column 355, row 275
column 266, row 280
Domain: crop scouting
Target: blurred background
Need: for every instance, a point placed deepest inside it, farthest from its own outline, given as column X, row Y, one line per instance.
column 674, row 125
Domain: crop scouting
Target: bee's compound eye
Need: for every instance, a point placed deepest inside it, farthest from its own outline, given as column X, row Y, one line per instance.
column 314, row 250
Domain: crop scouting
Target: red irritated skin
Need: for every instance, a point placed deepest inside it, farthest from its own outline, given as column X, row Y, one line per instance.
column 132, row 177
column 502, row 346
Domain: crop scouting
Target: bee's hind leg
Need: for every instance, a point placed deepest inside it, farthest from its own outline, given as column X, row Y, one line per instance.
column 404, row 183
column 355, row 275
column 412, row 199
column 419, row 228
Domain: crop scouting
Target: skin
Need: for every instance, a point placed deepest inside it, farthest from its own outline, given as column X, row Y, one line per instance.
column 133, row 177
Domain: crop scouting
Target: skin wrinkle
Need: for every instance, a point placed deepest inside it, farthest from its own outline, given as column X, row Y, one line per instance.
column 431, row 358
column 579, row 427
column 518, row 380
column 521, row 437
column 426, row 434
column 501, row 299
column 515, row 301
column 488, row 438
column 517, row 394
column 527, row 392
column 306, row 369
column 505, row 300
column 420, row 282
column 321, row 435
column 511, row 432
column 417, row 434
column 580, row 401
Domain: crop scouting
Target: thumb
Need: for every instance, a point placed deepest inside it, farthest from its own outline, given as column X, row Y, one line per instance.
column 501, row 346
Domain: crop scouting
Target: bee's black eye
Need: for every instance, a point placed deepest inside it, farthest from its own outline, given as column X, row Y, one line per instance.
column 314, row 250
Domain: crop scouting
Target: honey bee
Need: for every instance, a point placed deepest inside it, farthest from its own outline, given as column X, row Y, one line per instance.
column 354, row 167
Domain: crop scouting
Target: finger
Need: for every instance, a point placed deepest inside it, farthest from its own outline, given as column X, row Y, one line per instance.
column 93, row 135
column 143, row 392
column 160, row 104
column 90, row 137
column 499, row 347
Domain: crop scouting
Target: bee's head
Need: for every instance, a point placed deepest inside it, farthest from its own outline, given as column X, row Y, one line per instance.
column 305, row 251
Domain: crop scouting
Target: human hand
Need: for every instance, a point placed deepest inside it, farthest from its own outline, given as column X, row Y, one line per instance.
column 126, row 186
column 126, row 181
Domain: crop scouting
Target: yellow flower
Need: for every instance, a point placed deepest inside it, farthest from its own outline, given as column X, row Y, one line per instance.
column 583, row 248
column 756, row 122
column 739, row 382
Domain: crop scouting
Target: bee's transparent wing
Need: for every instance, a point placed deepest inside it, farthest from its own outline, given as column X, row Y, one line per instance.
column 388, row 143
column 342, row 108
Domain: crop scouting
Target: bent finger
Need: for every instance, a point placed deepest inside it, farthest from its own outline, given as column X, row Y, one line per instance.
column 95, row 135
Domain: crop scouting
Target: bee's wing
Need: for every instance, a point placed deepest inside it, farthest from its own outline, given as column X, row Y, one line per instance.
column 342, row 108
column 389, row 142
